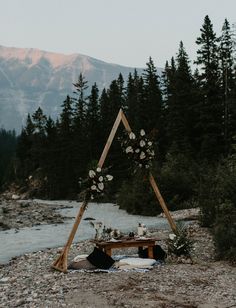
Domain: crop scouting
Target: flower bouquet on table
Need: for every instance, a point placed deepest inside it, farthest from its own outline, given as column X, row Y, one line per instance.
column 139, row 149
column 95, row 184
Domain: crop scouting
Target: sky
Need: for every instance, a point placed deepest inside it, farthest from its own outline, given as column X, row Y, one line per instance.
column 125, row 32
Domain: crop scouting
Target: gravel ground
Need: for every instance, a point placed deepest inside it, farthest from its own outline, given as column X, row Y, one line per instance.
column 29, row 281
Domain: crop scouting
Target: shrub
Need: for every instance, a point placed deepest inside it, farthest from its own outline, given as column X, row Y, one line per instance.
column 225, row 232
column 218, row 206
column 178, row 179
column 209, row 192
column 136, row 196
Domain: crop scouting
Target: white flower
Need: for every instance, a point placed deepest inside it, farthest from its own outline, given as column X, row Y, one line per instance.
column 140, row 165
column 142, row 143
column 91, row 174
column 132, row 135
column 99, row 169
column 142, row 132
column 146, row 166
column 137, row 150
column 129, row 149
column 101, row 186
column 100, row 178
column 93, row 187
column 172, row 236
column 92, row 197
column 109, row 177
column 142, row 155
column 149, row 143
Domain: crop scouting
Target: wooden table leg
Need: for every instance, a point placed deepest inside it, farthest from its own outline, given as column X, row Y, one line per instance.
column 150, row 252
column 108, row 251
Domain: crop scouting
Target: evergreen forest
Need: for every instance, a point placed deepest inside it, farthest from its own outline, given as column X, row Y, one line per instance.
column 191, row 116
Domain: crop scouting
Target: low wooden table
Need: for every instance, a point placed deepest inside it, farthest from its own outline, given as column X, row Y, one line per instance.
column 107, row 246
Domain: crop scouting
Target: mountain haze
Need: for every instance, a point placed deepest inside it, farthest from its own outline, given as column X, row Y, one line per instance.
column 30, row 78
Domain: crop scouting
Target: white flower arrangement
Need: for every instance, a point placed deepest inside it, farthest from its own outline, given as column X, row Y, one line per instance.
column 96, row 182
column 172, row 236
column 139, row 149
column 179, row 243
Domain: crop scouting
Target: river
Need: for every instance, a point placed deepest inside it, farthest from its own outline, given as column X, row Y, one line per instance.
column 40, row 237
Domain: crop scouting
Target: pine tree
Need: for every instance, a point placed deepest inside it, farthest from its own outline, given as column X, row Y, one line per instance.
column 24, row 147
column 39, row 137
column 184, row 112
column 115, row 94
column 7, row 154
column 93, row 126
column 135, row 101
column 80, row 102
column 51, row 164
column 227, row 81
column 61, row 179
column 66, row 117
column 169, row 93
column 105, row 115
column 39, row 121
column 79, row 141
column 153, row 99
column 30, row 127
column 211, row 106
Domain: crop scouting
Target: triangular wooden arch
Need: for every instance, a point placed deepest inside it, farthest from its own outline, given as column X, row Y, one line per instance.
column 61, row 262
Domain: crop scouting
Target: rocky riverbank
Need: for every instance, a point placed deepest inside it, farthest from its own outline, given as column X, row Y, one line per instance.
column 16, row 214
column 29, row 281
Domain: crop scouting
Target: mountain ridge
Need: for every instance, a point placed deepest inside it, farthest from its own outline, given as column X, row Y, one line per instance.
column 32, row 78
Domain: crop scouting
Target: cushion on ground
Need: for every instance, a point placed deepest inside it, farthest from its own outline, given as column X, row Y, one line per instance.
column 100, row 259
column 82, row 264
column 80, row 257
column 135, row 263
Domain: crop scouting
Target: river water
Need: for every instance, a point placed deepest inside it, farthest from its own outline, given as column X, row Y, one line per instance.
column 40, row 237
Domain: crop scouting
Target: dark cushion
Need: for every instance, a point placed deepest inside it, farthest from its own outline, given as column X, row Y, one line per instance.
column 100, row 259
column 158, row 253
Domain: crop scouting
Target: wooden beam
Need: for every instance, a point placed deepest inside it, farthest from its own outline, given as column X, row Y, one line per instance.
column 61, row 262
column 110, row 139
column 162, row 202
column 125, row 122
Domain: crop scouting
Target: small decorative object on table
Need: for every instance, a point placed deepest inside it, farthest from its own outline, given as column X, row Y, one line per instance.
column 142, row 229
column 98, row 226
column 110, row 233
